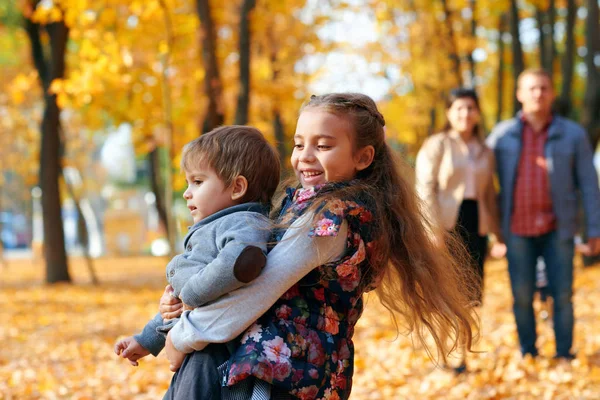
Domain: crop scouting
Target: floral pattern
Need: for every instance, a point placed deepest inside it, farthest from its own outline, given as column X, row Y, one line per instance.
column 304, row 342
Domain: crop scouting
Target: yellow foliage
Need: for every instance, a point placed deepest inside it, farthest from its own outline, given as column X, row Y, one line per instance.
column 58, row 341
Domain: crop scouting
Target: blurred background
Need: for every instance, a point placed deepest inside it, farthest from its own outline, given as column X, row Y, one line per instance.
column 97, row 98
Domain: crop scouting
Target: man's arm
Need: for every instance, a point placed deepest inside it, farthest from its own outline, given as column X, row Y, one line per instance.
column 243, row 244
column 290, row 260
column 587, row 180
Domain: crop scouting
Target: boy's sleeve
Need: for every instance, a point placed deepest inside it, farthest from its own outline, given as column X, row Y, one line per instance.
column 242, row 242
column 149, row 338
column 290, row 260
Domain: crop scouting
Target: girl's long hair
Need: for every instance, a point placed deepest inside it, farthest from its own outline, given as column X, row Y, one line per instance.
column 424, row 276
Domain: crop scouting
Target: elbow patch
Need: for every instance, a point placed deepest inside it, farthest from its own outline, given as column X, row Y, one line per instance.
column 249, row 264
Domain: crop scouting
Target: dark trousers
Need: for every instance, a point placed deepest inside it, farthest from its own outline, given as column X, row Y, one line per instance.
column 467, row 229
column 198, row 377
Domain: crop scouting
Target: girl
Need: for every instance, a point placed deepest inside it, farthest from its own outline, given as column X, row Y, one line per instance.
column 355, row 225
column 455, row 172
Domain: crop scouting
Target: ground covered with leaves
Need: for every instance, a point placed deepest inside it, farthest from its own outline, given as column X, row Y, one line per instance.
column 56, row 342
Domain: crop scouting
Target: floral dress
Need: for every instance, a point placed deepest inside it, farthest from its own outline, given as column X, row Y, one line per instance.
column 303, row 344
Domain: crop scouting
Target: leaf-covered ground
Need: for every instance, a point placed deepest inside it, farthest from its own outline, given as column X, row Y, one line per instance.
column 56, row 342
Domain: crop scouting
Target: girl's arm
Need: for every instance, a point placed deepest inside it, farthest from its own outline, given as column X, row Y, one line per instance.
column 290, row 260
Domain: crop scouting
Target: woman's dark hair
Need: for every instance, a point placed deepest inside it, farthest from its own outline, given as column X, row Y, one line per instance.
column 463, row 93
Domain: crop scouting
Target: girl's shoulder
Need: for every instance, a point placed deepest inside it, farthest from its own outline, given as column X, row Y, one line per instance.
column 358, row 210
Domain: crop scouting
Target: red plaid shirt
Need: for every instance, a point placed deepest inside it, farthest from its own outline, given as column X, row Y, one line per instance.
column 532, row 205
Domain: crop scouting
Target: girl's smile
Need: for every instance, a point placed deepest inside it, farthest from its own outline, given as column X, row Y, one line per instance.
column 324, row 148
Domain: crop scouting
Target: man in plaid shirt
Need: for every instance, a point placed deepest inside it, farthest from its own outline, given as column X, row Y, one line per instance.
column 543, row 162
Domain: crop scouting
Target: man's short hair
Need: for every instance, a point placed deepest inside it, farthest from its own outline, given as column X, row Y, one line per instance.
column 235, row 150
column 534, row 72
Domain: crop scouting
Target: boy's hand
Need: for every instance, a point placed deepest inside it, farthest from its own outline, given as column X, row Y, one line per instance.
column 187, row 308
column 174, row 356
column 130, row 349
column 170, row 306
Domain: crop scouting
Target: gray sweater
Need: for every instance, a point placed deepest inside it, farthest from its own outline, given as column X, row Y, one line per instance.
column 205, row 270
column 291, row 259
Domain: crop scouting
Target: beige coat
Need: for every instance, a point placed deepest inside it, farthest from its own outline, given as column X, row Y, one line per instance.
column 440, row 173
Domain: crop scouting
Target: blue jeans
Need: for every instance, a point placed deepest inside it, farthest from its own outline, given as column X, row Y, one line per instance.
column 522, row 254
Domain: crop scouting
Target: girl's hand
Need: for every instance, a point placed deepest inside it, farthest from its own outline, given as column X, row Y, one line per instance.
column 174, row 356
column 498, row 250
column 170, row 306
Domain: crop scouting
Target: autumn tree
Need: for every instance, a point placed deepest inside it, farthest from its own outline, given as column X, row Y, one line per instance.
column 213, row 87
column 568, row 58
column 517, row 49
column 241, row 114
column 501, row 68
column 49, row 68
column 545, row 15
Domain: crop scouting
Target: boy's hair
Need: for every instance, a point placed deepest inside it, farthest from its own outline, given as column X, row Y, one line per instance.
column 234, row 150
column 424, row 280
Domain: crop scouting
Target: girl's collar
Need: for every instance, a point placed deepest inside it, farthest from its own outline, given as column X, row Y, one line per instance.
column 301, row 195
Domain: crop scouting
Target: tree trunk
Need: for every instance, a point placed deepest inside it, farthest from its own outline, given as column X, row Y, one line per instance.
column 279, row 136
column 55, row 256
column 213, row 89
column 568, row 59
column 168, row 120
column 551, row 45
column 472, row 77
column 539, row 17
column 157, row 187
column 432, row 121
column 454, row 56
column 278, row 128
column 243, row 103
column 82, row 231
column 54, row 238
column 591, row 110
column 500, row 77
column 517, row 49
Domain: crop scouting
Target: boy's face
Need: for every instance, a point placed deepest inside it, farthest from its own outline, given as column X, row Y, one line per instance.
column 206, row 194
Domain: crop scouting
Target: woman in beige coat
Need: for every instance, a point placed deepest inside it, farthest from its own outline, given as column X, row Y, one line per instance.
column 455, row 172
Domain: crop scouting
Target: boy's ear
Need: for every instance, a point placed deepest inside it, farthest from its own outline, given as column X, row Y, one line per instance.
column 239, row 187
column 364, row 158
